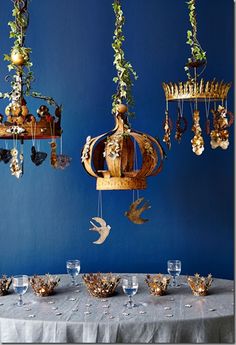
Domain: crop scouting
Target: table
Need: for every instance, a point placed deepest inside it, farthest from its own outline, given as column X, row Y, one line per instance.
column 65, row 317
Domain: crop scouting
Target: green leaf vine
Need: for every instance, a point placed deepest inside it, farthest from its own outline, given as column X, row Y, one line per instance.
column 125, row 71
column 18, row 28
column 198, row 54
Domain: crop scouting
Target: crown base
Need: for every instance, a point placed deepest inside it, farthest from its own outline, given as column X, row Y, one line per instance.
column 121, row 183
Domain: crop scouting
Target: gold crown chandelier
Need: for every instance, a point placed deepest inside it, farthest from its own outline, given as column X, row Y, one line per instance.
column 196, row 90
column 122, row 158
column 19, row 124
column 111, row 157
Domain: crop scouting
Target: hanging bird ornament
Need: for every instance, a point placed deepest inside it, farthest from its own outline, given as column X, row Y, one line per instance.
column 103, row 229
column 134, row 213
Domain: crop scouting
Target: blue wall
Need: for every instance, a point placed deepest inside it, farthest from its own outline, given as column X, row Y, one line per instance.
column 45, row 215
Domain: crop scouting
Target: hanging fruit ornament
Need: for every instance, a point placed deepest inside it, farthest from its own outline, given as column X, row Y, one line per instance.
column 19, row 58
column 197, row 141
column 121, row 108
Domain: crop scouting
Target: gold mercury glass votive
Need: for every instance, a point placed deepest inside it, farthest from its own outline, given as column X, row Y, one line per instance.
column 101, row 285
column 157, row 284
column 44, row 285
column 200, row 285
column 5, row 283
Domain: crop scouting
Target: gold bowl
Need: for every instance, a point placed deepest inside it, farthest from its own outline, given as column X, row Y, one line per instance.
column 44, row 286
column 157, row 284
column 101, row 285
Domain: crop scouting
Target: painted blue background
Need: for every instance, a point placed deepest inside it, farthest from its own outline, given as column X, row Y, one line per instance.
column 45, row 215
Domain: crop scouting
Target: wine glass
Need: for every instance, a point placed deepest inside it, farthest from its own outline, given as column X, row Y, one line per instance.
column 130, row 288
column 20, row 286
column 73, row 269
column 174, row 269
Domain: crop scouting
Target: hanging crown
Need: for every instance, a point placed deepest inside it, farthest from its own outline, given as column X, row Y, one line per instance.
column 111, row 157
column 200, row 90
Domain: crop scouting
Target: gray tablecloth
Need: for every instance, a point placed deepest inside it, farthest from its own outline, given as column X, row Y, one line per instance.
column 178, row 317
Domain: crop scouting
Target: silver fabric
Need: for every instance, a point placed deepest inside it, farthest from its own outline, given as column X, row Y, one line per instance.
column 209, row 319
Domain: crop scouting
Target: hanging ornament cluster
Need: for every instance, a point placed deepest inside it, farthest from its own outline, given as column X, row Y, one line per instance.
column 195, row 90
column 122, row 158
column 19, row 124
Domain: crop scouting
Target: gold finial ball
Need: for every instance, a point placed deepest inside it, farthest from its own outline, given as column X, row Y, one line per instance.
column 18, row 58
column 121, row 108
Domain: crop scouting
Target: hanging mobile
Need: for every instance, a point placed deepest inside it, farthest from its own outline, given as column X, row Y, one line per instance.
column 103, row 229
column 19, row 123
column 196, row 89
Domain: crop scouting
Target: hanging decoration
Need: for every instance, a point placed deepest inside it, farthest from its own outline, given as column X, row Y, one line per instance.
column 134, row 213
column 19, row 124
column 195, row 90
column 110, row 157
column 103, row 229
column 113, row 157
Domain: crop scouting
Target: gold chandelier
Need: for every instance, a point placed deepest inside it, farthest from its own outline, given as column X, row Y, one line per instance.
column 19, row 124
column 196, row 90
column 112, row 158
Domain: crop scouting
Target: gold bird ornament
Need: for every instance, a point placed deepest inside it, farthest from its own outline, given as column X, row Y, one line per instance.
column 103, row 229
column 134, row 213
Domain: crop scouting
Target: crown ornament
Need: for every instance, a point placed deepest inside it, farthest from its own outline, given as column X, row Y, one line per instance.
column 122, row 158
column 199, row 90
column 19, row 123
column 111, row 157
column 195, row 90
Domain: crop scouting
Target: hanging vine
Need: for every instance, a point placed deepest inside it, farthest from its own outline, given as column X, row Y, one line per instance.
column 20, row 55
column 125, row 71
column 198, row 54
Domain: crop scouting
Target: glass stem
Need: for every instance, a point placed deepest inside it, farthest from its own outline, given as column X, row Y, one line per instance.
column 73, row 280
column 174, row 281
column 20, row 300
column 130, row 302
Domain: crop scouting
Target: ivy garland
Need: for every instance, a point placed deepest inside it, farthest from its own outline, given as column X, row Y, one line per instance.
column 18, row 31
column 125, row 71
column 198, row 54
